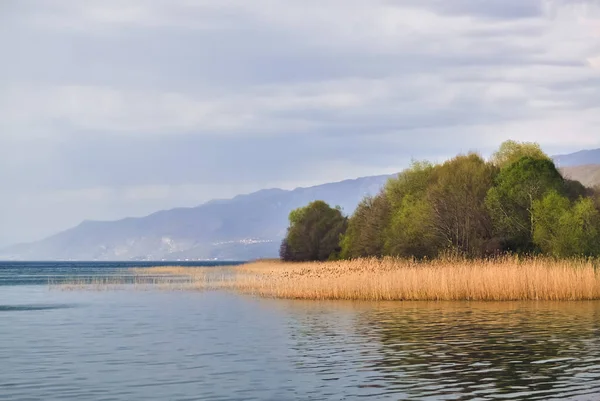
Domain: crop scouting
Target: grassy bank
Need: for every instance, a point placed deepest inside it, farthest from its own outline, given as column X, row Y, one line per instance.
column 506, row 279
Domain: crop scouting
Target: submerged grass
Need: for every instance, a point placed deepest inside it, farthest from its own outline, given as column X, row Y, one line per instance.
column 122, row 282
column 390, row 279
column 169, row 278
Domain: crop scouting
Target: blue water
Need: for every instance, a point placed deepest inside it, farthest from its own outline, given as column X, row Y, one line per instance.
column 213, row 345
column 41, row 273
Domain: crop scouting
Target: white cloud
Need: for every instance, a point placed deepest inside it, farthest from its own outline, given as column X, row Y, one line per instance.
column 594, row 62
column 345, row 82
column 432, row 42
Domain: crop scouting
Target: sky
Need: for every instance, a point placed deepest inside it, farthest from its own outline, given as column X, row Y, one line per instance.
column 117, row 108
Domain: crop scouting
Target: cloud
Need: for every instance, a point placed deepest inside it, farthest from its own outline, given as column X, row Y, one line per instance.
column 108, row 109
column 493, row 9
column 594, row 62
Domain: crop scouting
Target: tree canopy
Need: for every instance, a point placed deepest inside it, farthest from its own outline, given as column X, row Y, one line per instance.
column 510, row 201
column 517, row 201
column 409, row 229
column 564, row 228
column 365, row 234
column 457, row 199
column 511, row 151
column 314, row 233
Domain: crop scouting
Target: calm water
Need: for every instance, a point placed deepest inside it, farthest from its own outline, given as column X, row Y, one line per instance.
column 153, row 345
column 19, row 273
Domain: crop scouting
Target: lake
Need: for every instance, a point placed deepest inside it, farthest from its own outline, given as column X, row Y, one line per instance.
column 186, row 345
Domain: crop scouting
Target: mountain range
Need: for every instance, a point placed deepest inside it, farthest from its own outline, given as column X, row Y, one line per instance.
column 581, row 158
column 242, row 228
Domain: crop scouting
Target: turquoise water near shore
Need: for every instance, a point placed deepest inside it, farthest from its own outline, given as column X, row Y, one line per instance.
column 213, row 345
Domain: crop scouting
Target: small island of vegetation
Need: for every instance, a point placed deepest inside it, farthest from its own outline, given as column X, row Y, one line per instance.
column 508, row 228
column 516, row 203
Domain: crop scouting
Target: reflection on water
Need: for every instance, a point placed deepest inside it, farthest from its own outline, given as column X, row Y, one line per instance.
column 522, row 351
column 44, row 273
column 458, row 351
column 219, row 346
column 19, row 308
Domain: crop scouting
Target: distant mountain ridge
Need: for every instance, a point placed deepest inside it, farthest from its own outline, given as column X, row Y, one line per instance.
column 583, row 166
column 581, row 158
column 241, row 228
column 588, row 174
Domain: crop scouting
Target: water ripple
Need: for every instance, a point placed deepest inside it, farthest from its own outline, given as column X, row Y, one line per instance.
column 219, row 346
column 21, row 308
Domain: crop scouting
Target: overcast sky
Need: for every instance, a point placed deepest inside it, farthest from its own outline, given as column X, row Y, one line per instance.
column 117, row 108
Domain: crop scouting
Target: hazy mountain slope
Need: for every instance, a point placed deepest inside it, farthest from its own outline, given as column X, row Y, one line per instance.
column 588, row 175
column 245, row 227
column 581, row 158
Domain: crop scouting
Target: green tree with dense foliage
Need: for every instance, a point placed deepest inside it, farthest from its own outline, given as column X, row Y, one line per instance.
column 563, row 229
column 314, row 233
column 517, row 201
column 582, row 225
column 547, row 213
column 410, row 229
column 413, row 181
column 510, row 202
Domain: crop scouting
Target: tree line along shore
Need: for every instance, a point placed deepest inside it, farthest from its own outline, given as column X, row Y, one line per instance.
column 515, row 203
column 510, row 228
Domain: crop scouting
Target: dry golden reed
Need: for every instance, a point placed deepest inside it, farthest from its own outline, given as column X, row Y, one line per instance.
column 389, row 279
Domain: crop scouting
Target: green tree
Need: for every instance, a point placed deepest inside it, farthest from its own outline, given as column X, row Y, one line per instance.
column 518, row 201
column 461, row 219
column 510, row 202
column 410, row 230
column 412, row 181
column 512, row 151
column 582, row 224
column 548, row 213
column 365, row 234
column 314, row 233
column 565, row 230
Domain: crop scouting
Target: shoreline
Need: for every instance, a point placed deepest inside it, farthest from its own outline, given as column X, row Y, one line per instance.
column 390, row 279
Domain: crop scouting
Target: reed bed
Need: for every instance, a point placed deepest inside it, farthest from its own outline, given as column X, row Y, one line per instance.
column 390, row 279
column 504, row 279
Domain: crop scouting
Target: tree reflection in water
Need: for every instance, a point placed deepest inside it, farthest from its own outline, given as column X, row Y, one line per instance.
column 459, row 351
